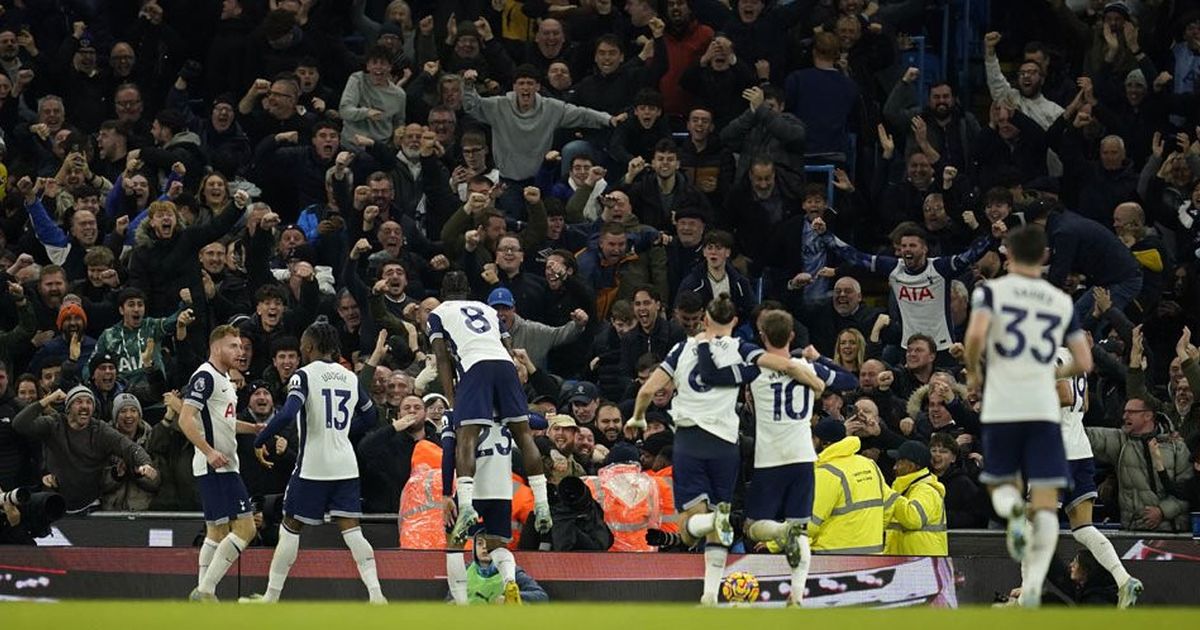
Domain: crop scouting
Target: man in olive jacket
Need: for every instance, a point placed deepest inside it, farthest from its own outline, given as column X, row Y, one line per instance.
column 1146, row 485
column 78, row 448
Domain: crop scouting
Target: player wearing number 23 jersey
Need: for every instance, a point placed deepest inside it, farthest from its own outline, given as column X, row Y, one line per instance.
column 1030, row 320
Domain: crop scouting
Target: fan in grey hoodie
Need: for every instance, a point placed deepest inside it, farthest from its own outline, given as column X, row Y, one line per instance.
column 523, row 122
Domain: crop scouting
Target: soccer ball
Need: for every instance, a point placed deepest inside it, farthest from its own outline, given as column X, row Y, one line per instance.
column 740, row 587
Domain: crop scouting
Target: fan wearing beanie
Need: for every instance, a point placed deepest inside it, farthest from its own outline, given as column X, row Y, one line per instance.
column 77, row 449
column 123, row 491
column 71, row 340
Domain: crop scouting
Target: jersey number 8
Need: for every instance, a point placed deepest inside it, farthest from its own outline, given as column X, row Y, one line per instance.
column 340, row 417
column 475, row 319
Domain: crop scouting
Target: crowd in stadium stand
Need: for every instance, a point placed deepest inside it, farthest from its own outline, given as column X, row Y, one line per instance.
column 600, row 170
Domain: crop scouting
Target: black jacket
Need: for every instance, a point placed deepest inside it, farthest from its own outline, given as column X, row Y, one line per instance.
column 385, row 463
column 966, row 502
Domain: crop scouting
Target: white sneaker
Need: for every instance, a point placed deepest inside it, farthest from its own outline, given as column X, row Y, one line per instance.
column 197, row 596
column 255, row 598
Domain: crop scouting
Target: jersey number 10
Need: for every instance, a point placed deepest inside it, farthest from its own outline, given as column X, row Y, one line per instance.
column 785, row 399
column 336, row 418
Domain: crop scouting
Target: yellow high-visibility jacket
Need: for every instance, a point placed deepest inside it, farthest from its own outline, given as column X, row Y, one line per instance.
column 851, row 502
column 918, row 520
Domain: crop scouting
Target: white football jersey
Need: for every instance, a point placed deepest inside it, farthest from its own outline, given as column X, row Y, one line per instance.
column 783, row 419
column 493, row 462
column 698, row 404
column 1031, row 319
column 472, row 332
column 1075, row 439
column 215, row 399
column 329, row 397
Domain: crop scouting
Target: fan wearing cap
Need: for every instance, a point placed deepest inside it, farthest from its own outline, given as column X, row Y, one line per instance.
column 918, row 518
column 124, row 492
column 536, row 338
column 88, row 86
column 583, row 400
column 560, row 461
column 77, row 448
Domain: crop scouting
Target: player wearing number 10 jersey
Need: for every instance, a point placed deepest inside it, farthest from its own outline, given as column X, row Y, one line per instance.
column 706, row 459
column 328, row 404
column 1019, row 321
column 779, row 503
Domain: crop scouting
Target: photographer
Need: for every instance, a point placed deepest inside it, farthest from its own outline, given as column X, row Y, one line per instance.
column 77, row 449
column 27, row 515
column 11, row 532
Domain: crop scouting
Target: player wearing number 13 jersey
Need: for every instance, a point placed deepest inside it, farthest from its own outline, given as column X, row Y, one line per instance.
column 1018, row 322
column 327, row 402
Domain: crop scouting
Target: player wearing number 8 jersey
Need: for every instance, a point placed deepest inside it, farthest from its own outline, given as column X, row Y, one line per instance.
column 1018, row 322
column 470, row 343
column 328, row 404
column 705, row 458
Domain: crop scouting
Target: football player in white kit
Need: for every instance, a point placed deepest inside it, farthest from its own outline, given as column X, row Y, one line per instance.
column 1081, row 496
column 779, row 501
column 1019, row 321
column 469, row 341
column 492, row 500
column 705, row 459
column 328, row 404
column 209, row 420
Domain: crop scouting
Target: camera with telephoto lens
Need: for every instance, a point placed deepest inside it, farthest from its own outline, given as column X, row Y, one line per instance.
column 38, row 509
column 16, row 496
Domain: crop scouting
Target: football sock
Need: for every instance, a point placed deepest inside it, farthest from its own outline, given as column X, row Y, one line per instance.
column 1006, row 500
column 465, row 487
column 206, row 555
column 224, row 556
column 537, row 483
column 700, row 525
column 364, row 556
column 506, row 564
column 800, row 573
column 456, row 576
column 1040, row 553
column 1102, row 549
column 285, row 556
column 714, row 569
column 764, row 530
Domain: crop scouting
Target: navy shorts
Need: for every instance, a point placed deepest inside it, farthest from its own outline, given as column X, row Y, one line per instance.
column 1083, row 482
column 1031, row 450
column 224, row 497
column 497, row 517
column 781, row 493
column 490, row 390
column 309, row 500
column 705, row 468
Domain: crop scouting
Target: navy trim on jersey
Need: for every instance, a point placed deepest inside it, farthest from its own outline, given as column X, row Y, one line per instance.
column 199, row 389
column 727, row 376
column 302, row 422
column 436, row 331
column 982, row 300
column 671, row 361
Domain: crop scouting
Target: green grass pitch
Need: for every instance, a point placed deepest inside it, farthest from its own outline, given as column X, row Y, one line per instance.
column 188, row 616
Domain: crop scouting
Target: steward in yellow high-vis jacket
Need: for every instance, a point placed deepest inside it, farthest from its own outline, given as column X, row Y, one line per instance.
column 851, row 502
column 918, row 518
